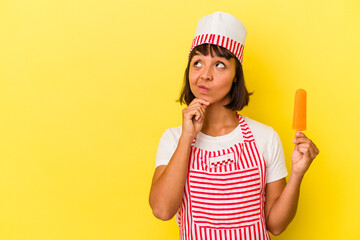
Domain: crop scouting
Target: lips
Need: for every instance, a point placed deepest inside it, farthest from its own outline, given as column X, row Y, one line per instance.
column 203, row 87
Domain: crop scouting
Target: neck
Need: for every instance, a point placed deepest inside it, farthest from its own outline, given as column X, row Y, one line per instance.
column 219, row 120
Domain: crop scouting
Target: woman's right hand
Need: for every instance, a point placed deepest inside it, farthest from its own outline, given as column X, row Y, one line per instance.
column 193, row 117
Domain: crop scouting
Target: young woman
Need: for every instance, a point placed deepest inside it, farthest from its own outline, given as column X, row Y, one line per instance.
column 220, row 173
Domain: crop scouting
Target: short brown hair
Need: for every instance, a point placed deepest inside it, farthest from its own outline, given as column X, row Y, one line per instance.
column 239, row 96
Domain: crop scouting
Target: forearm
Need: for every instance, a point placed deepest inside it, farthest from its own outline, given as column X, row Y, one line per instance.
column 284, row 209
column 167, row 191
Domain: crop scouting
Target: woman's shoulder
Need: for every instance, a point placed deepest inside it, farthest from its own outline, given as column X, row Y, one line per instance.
column 173, row 133
column 264, row 135
column 258, row 126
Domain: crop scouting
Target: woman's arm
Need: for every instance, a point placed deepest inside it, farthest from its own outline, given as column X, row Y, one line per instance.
column 281, row 203
column 281, row 197
column 169, row 181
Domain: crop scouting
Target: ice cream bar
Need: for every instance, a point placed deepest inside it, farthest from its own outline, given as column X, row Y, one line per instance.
column 299, row 120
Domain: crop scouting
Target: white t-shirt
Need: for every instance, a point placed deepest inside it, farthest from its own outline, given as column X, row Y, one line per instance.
column 266, row 139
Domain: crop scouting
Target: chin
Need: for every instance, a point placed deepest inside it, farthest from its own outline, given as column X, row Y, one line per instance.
column 205, row 98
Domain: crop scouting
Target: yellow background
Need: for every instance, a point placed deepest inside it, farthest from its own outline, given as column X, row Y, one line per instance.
column 87, row 87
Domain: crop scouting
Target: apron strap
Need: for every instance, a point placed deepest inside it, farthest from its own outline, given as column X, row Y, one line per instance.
column 193, row 142
column 247, row 134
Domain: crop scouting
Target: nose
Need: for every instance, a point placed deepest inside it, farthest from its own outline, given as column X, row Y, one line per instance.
column 206, row 74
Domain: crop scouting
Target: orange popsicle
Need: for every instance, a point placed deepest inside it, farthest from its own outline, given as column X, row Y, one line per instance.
column 299, row 120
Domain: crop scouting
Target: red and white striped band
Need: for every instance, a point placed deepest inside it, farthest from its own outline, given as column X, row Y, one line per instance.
column 233, row 46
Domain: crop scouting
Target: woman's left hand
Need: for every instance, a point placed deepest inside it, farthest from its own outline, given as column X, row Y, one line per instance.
column 304, row 153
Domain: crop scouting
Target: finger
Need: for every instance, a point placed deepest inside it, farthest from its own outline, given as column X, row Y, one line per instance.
column 298, row 141
column 200, row 105
column 309, row 147
column 301, row 140
column 191, row 109
column 201, row 101
column 306, row 152
column 199, row 115
column 202, row 113
column 203, row 109
column 197, row 105
column 296, row 146
column 317, row 151
column 300, row 137
column 196, row 114
column 315, row 148
column 306, row 140
column 189, row 113
column 299, row 134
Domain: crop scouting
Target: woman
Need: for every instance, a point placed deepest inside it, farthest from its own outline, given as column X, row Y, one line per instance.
column 221, row 173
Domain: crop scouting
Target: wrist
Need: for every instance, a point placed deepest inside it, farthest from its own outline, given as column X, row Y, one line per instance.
column 296, row 175
column 186, row 138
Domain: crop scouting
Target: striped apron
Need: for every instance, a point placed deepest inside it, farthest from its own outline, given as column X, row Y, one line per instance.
column 224, row 193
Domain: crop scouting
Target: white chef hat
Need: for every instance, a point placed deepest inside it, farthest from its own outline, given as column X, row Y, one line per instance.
column 221, row 29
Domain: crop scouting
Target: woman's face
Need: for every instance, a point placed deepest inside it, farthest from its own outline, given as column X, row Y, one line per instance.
column 211, row 78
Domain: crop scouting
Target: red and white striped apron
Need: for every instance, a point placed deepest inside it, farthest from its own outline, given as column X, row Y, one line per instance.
column 225, row 193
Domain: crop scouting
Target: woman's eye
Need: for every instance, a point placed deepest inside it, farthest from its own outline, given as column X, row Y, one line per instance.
column 220, row 65
column 197, row 64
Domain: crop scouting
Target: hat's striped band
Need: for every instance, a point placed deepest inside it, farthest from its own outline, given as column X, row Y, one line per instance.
column 233, row 46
